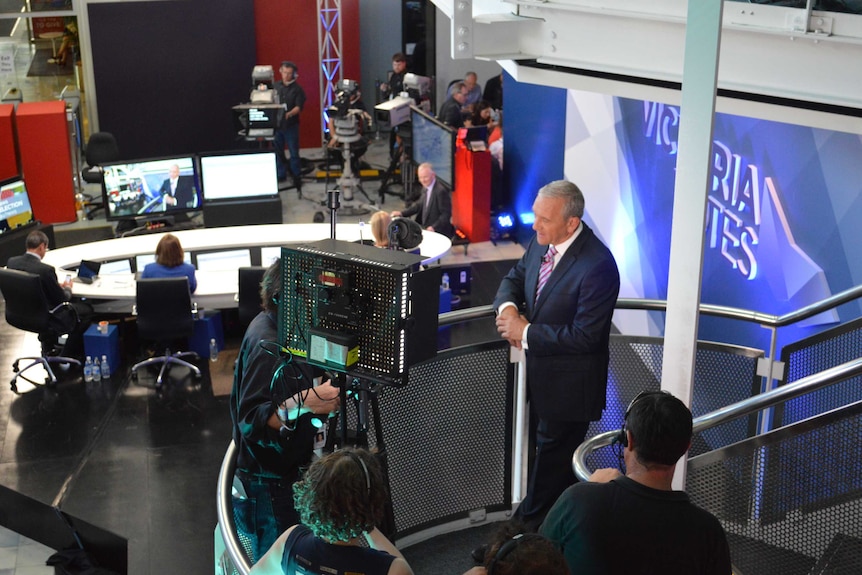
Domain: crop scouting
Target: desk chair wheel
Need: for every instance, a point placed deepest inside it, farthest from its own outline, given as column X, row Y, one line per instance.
column 14, row 386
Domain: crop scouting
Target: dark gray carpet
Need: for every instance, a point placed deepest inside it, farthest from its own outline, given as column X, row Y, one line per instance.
column 448, row 554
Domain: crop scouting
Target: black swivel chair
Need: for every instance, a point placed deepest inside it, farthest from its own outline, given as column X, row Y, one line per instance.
column 101, row 149
column 248, row 296
column 164, row 308
column 27, row 309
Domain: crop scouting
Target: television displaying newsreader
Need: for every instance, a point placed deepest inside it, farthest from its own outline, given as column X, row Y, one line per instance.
column 151, row 188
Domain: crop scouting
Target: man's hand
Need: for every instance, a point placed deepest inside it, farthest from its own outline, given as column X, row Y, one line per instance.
column 510, row 325
column 170, row 200
column 430, row 228
column 322, row 399
column 395, row 214
column 605, row 475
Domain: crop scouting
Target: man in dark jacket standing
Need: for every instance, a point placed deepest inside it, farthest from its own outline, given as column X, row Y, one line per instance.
column 557, row 304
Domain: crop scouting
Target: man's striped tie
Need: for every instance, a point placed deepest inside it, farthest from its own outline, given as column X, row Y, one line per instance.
column 546, row 269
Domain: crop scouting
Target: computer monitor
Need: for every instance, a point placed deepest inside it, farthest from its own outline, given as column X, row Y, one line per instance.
column 238, row 175
column 15, row 210
column 151, row 188
column 123, row 266
column 223, row 260
column 269, row 254
column 434, row 143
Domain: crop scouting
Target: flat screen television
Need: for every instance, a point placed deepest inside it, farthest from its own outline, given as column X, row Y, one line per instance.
column 15, row 210
column 238, row 175
column 433, row 142
column 151, row 188
column 222, row 260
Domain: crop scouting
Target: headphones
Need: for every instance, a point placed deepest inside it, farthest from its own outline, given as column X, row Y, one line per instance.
column 509, row 546
column 290, row 64
column 622, row 438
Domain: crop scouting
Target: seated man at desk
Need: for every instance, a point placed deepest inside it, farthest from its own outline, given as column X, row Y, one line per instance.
column 31, row 262
column 433, row 209
column 170, row 262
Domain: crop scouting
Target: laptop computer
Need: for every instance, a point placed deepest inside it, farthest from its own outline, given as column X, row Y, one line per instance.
column 88, row 271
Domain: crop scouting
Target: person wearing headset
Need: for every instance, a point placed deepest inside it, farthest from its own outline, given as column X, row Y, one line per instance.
column 278, row 415
column 341, row 500
column 515, row 551
column 291, row 96
column 636, row 523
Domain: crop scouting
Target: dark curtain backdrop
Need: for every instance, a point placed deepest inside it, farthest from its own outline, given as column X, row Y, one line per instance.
column 167, row 73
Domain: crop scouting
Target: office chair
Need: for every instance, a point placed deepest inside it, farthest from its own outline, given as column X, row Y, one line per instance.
column 27, row 309
column 248, row 295
column 164, row 308
column 101, row 149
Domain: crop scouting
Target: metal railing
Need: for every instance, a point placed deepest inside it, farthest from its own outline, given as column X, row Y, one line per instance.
column 739, row 409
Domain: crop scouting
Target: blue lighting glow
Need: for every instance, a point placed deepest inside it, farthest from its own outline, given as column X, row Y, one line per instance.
column 505, row 221
column 527, row 218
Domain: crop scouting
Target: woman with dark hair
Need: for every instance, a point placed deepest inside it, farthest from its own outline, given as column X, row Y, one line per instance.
column 340, row 499
column 170, row 262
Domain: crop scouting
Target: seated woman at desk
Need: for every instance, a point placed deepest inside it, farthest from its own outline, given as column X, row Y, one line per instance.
column 170, row 263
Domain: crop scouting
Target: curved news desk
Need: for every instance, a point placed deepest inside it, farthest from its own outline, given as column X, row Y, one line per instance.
column 217, row 284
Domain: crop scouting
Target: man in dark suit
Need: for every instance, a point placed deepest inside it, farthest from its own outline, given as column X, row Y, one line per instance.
column 433, row 209
column 450, row 112
column 31, row 262
column 179, row 190
column 556, row 304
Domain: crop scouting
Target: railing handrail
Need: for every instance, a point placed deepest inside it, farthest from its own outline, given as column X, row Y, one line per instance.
column 747, row 406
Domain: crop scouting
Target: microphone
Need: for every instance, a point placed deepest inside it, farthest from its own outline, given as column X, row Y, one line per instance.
column 361, row 226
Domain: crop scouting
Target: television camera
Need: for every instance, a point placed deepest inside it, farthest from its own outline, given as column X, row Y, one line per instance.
column 259, row 118
column 346, row 116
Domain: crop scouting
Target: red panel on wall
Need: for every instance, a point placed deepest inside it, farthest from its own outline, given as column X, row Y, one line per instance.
column 8, row 151
column 46, row 163
column 471, row 200
column 288, row 31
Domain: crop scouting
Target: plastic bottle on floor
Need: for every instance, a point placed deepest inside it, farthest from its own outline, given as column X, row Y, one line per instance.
column 106, row 368
column 213, row 350
column 96, row 370
column 88, row 369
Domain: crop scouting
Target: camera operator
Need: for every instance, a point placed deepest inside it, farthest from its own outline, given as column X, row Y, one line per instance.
column 292, row 98
column 271, row 407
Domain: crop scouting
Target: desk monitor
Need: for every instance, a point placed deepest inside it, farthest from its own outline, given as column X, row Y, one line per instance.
column 15, row 210
column 223, row 260
column 141, row 260
column 269, row 254
column 144, row 188
column 116, row 267
column 434, row 143
column 238, row 175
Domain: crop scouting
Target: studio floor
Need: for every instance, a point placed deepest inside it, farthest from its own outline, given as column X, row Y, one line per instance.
column 144, row 465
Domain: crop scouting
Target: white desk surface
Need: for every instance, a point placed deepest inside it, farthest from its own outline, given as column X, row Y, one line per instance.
column 215, row 288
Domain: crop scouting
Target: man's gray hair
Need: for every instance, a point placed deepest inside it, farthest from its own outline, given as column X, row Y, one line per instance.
column 570, row 193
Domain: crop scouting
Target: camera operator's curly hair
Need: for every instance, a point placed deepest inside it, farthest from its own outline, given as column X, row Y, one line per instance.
column 342, row 495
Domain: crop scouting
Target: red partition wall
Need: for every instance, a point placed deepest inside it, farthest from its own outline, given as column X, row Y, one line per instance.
column 288, row 31
column 8, row 151
column 471, row 200
column 46, row 162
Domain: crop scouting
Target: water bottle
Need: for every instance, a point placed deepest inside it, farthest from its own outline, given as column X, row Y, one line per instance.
column 96, row 370
column 213, row 350
column 106, row 368
column 445, row 283
column 88, row 369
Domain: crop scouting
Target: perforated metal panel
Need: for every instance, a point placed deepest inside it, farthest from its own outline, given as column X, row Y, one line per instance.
column 780, row 517
column 723, row 374
column 358, row 291
column 448, row 436
column 813, row 355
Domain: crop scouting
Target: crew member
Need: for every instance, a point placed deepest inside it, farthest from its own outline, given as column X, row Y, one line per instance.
column 272, row 405
column 292, row 99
